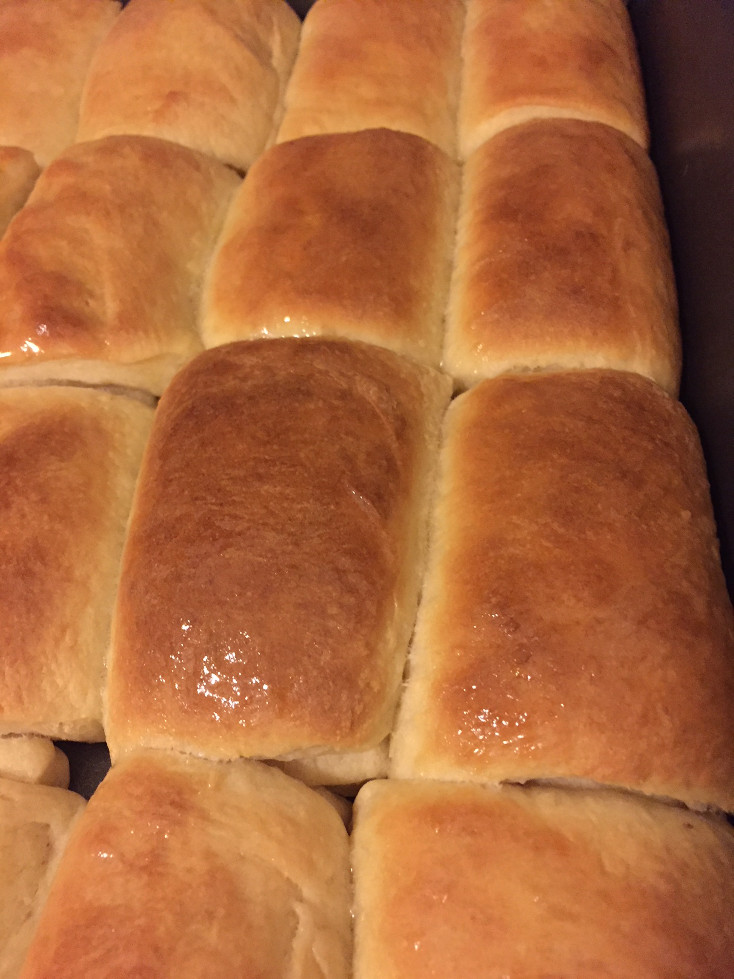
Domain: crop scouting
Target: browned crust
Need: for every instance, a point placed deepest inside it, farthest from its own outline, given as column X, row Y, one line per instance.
column 575, row 621
column 458, row 881
column 346, row 235
column 524, row 59
column 365, row 64
column 271, row 570
column 209, row 74
column 563, row 259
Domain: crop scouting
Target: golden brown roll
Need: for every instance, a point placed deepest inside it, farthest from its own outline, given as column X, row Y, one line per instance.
column 209, row 74
column 347, row 235
column 187, row 868
column 35, row 821
column 368, row 64
column 28, row 758
column 69, row 458
column 563, row 258
column 467, row 880
column 272, row 565
column 18, row 173
column 574, row 622
column 100, row 273
column 525, row 59
column 45, row 50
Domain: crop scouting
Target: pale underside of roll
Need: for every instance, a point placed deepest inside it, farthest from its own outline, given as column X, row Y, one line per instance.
column 33, row 759
column 574, row 621
column 18, row 173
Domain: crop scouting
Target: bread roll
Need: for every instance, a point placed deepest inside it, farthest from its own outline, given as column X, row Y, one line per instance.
column 575, row 622
column 69, row 458
column 562, row 258
column 187, row 868
column 347, row 235
column 100, row 273
column 45, row 50
column 18, row 173
column 525, row 59
column 367, row 64
column 275, row 548
column 27, row 758
column 209, row 74
column 35, row 821
column 465, row 880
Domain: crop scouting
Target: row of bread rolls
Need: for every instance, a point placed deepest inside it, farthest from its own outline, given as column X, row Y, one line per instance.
column 343, row 436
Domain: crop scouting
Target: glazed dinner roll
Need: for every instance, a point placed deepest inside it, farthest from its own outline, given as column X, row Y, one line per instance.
column 468, row 880
column 35, row 821
column 69, row 458
column 45, row 50
column 347, row 235
column 367, row 64
column 271, row 571
column 18, row 173
column 28, row 758
column 188, row 868
column 525, row 59
column 209, row 74
column 574, row 622
column 563, row 259
column 101, row 271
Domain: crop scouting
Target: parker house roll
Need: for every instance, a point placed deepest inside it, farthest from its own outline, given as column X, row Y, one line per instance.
column 563, row 259
column 525, row 59
column 100, row 273
column 69, row 458
column 45, row 50
column 366, row 64
column 575, row 622
column 18, row 173
column 468, row 880
column 348, row 235
column 271, row 571
column 35, row 821
column 188, row 868
column 28, row 758
column 209, row 74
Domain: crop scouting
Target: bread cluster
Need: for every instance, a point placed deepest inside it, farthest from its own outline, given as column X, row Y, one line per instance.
column 341, row 456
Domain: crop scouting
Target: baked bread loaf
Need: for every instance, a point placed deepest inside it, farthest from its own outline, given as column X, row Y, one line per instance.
column 272, row 565
column 209, row 74
column 525, row 59
column 100, row 273
column 574, row 622
column 467, row 880
column 27, row 758
column 369, row 64
column 187, row 868
column 18, row 173
column 347, row 235
column 45, row 50
column 562, row 258
column 69, row 458
column 35, row 821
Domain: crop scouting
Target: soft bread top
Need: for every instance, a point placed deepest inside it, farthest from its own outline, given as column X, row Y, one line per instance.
column 187, row 868
column 45, row 50
column 563, row 259
column 458, row 881
column 18, row 173
column 100, row 272
column 345, row 235
column 69, row 458
column 272, row 565
column 365, row 64
column 34, row 824
column 525, row 59
column 574, row 622
column 209, row 74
